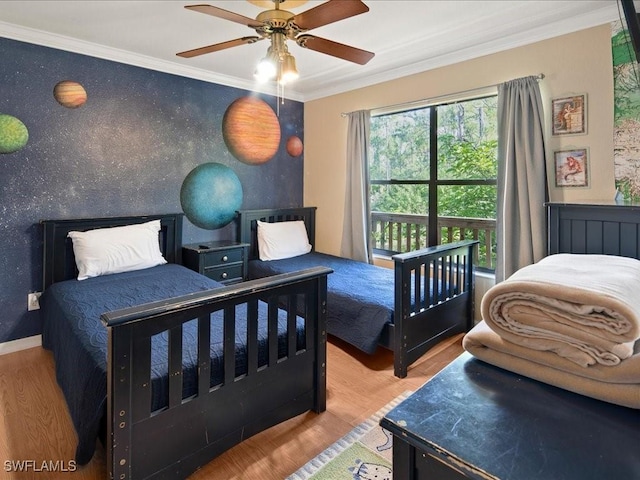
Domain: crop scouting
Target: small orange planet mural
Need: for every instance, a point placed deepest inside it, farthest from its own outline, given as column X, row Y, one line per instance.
column 69, row 94
column 251, row 130
column 294, row 146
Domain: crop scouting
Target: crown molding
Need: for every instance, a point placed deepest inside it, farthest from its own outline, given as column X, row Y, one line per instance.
column 60, row 42
column 582, row 22
column 325, row 83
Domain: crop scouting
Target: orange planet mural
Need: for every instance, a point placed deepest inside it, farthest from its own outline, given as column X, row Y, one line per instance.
column 294, row 146
column 69, row 94
column 251, row 130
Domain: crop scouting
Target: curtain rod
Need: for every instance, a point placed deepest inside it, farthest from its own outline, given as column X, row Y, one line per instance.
column 539, row 77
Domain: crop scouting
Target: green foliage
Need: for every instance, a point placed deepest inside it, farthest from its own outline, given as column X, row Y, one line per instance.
column 467, row 150
column 466, row 158
column 400, row 146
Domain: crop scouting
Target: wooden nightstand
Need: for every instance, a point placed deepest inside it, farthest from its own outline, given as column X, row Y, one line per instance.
column 224, row 261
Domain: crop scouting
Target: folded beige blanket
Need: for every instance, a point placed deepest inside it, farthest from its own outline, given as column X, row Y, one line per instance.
column 619, row 385
column 584, row 308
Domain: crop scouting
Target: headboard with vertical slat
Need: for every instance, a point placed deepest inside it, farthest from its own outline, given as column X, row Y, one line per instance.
column 58, row 260
column 584, row 228
column 248, row 228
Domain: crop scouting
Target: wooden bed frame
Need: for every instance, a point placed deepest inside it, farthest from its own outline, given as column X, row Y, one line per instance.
column 416, row 328
column 558, row 433
column 594, row 228
column 174, row 442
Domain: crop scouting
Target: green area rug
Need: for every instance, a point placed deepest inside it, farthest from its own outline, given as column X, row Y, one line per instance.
column 362, row 454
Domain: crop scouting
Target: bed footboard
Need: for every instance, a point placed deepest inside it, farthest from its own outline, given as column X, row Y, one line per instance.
column 434, row 289
column 174, row 441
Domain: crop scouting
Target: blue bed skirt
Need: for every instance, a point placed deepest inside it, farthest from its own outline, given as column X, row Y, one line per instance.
column 360, row 296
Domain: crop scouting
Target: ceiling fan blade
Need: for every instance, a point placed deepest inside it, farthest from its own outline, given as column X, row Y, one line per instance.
column 226, row 14
column 328, row 12
column 218, row 46
column 335, row 49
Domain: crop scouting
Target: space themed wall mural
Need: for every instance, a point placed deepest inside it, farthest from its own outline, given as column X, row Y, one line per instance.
column 86, row 137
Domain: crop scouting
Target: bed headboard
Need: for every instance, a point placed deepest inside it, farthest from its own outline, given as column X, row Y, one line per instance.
column 58, row 262
column 594, row 228
column 248, row 228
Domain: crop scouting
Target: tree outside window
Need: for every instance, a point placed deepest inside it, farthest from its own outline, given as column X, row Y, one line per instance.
column 437, row 162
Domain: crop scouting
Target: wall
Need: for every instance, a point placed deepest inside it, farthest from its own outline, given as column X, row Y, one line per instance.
column 125, row 151
column 577, row 63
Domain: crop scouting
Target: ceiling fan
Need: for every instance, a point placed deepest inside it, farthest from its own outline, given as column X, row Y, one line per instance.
column 281, row 25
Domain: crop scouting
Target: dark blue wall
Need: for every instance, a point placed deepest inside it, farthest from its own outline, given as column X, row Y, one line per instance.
column 126, row 151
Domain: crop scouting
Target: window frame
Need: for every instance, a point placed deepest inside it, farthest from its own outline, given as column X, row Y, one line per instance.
column 433, row 182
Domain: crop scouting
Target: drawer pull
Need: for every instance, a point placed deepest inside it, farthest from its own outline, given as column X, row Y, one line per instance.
column 224, row 275
column 225, row 258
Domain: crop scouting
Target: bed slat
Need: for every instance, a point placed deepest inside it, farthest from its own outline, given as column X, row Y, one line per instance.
column 292, row 331
column 252, row 337
column 175, row 366
column 204, row 355
column 142, row 372
column 273, row 331
column 229, row 345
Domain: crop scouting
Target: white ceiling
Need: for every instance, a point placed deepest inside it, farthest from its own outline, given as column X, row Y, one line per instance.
column 406, row 36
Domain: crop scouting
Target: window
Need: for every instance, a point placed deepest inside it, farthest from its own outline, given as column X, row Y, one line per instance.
column 437, row 162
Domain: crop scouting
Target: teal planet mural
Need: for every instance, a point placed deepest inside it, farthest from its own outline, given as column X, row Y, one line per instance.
column 13, row 134
column 210, row 195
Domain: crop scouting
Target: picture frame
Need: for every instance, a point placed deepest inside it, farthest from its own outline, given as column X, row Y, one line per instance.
column 569, row 115
column 572, row 167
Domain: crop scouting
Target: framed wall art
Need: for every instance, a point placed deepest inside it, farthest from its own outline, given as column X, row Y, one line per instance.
column 570, row 115
column 572, row 167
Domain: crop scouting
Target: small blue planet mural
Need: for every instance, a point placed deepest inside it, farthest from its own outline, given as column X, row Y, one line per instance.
column 210, row 195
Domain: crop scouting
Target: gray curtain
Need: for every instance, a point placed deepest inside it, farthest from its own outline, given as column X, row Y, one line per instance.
column 522, row 179
column 357, row 209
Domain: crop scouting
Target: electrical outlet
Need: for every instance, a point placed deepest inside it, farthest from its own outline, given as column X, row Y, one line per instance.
column 33, row 301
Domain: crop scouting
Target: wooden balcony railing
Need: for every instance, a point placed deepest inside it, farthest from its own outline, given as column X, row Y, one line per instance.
column 400, row 232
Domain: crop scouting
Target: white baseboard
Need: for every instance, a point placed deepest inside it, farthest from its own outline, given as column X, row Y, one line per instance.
column 20, row 344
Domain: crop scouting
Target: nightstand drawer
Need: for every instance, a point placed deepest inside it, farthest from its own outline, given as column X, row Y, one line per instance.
column 223, row 257
column 221, row 260
column 224, row 274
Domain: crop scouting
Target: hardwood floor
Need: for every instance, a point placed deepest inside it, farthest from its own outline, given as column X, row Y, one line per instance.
column 35, row 425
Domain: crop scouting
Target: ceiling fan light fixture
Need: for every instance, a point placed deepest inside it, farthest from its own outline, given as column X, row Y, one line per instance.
column 289, row 72
column 278, row 64
column 267, row 68
column 264, row 72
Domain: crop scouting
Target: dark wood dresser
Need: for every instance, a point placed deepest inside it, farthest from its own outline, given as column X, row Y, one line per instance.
column 474, row 420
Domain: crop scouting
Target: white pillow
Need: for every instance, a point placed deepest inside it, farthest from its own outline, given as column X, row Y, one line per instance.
column 117, row 249
column 282, row 240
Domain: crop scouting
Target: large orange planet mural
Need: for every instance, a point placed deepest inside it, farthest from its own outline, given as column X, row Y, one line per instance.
column 251, row 130
column 69, row 94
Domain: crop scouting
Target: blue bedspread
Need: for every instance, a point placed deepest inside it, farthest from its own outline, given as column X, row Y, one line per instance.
column 360, row 296
column 73, row 331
